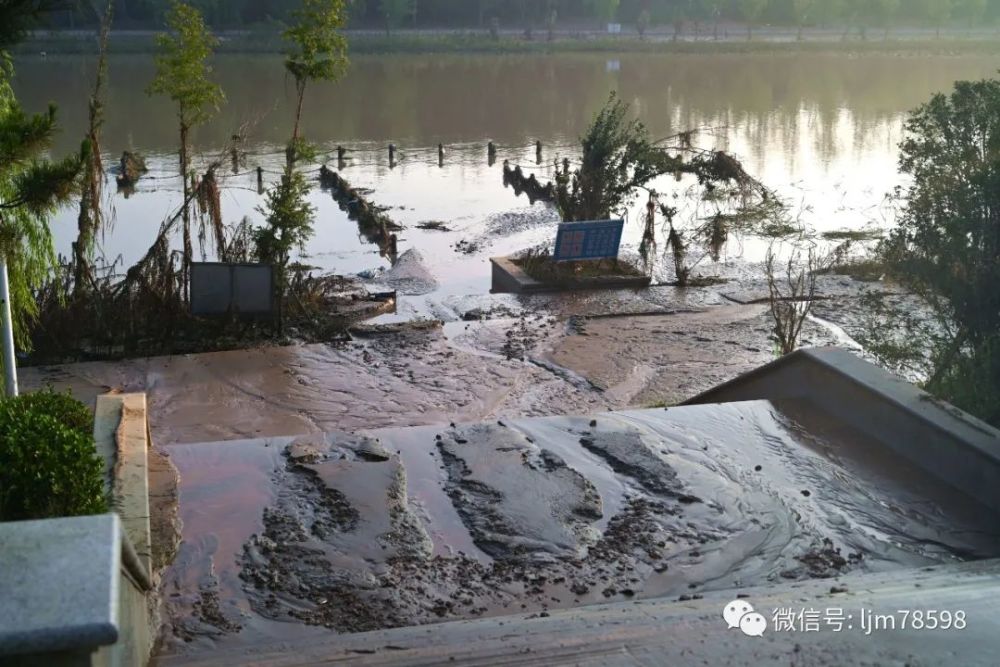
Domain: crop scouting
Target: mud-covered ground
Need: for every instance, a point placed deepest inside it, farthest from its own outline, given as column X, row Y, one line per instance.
column 413, row 526
column 285, row 536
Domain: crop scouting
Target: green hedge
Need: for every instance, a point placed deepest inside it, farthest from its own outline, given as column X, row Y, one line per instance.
column 49, row 465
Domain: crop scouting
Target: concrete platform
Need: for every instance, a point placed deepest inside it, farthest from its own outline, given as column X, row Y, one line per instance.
column 511, row 278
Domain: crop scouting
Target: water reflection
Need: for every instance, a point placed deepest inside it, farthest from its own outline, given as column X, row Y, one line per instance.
column 821, row 129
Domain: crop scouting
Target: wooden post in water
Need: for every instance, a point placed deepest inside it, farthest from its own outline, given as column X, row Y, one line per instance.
column 491, row 153
column 260, row 180
column 538, row 152
column 341, row 161
column 392, row 156
column 440, row 155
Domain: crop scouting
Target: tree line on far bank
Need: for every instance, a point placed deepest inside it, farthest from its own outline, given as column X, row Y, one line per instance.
column 523, row 14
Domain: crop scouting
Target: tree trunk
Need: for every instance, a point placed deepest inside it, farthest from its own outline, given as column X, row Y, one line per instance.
column 89, row 219
column 185, row 215
column 300, row 88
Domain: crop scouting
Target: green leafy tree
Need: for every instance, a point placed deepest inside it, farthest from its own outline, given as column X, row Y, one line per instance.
column 936, row 13
column 802, row 13
column 603, row 10
column 642, row 23
column 972, row 11
column 947, row 244
column 884, row 13
column 17, row 17
column 31, row 188
column 395, row 13
column 287, row 227
column 828, row 12
column 751, row 11
column 183, row 74
column 319, row 50
column 712, row 9
column 618, row 157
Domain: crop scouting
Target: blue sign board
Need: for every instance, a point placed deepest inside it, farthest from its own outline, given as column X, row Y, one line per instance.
column 588, row 240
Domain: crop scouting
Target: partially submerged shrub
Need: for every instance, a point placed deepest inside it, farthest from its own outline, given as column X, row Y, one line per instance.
column 49, row 465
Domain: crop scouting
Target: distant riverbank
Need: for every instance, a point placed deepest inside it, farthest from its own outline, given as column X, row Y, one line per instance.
column 455, row 41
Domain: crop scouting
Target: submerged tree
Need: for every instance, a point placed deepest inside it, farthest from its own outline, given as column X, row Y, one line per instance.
column 182, row 74
column 619, row 160
column 90, row 217
column 319, row 51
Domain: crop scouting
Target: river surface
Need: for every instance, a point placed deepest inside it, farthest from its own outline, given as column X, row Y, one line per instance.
column 821, row 129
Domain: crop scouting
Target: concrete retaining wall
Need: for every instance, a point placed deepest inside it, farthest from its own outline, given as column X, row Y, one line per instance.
column 955, row 447
column 508, row 277
column 79, row 591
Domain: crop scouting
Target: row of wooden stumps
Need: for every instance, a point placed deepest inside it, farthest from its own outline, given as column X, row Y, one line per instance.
column 529, row 185
column 491, row 156
column 377, row 227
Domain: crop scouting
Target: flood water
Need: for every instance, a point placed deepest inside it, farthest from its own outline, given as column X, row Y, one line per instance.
column 821, row 129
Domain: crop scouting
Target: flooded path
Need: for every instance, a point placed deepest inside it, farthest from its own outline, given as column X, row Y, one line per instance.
column 400, row 527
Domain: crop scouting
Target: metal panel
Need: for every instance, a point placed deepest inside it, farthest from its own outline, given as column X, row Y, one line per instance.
column 218, row 289
column 599, row 239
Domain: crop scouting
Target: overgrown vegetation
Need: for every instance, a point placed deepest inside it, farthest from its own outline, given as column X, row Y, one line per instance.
column 946, row 248
column 48, row 463
column 791, row 290
column 619, row 161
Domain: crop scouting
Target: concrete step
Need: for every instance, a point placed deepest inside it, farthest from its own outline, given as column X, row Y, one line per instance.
column 661, row 632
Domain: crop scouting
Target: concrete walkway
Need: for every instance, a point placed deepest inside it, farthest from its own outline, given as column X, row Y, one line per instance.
column 664, row 632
